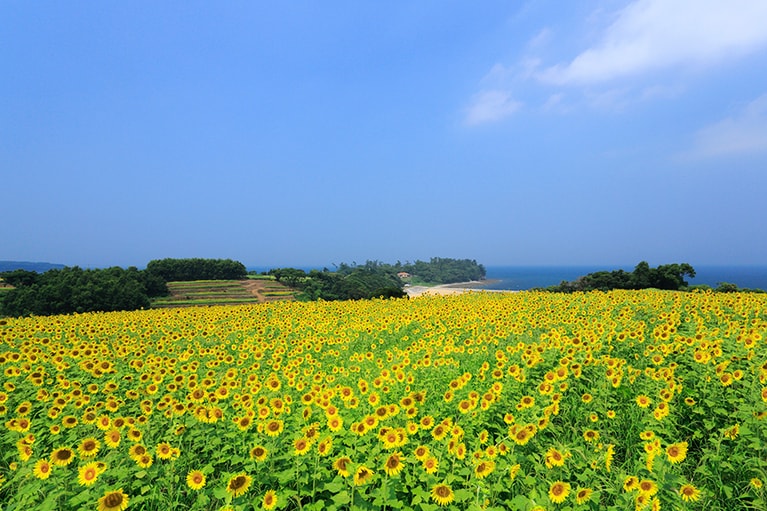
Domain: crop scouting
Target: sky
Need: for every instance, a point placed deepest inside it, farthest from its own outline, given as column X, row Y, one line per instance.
column 304, row 133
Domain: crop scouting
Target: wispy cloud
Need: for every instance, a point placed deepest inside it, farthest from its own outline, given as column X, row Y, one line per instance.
column 490, row 105
column 743, row 133
column 649, row 35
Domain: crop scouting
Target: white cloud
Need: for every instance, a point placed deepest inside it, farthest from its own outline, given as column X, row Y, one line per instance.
column 743, row 133
column 489, row 106
column 648, row 35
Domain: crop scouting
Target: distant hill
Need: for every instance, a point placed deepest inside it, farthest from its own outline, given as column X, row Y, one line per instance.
column 29, row 266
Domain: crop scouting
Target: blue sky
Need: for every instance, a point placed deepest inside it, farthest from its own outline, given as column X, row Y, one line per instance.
column 312, row 133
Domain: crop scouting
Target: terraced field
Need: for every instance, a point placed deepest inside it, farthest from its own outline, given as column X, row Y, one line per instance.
column 224, row 292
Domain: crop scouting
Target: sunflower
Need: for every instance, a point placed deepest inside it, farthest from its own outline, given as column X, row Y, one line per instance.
column 442, row 494
column 274, row 427
column 393, row 464
column 582, row 495
column 259, row 453
column 238, row 484
column 484, row 469
column 87, row 474
column 341, row 465
column 301, row 446
column 677, row 452
column 62, row 456
column 514, row 470
column 756, row 483
column 113, row 501
column 430, row 465
column 631, row 483
column 689, row 493
column 421, row 452
column 112, row 438
column 325, row 446
column 362, row 475
column 89, row 447
column 643, row 401
column 164, row 451
column 195, row 479
column 136, row 451
column 42, row 469
column 554, row 458
column 144, row 461
column 558, row 491
column 335, row 423
column 590, row 435
column 647, row 487
column 270, row 500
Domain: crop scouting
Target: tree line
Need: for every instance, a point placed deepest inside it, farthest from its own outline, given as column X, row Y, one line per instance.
column 376, row 279
column 76, row 290
column 665, row 276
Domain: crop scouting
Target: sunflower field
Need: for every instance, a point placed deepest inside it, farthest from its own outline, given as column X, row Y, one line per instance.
column 497, row 401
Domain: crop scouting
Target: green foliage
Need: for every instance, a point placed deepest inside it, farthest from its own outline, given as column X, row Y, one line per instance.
column 375, row 279
column 73, row 289
column 171, row 270
column 667, row 276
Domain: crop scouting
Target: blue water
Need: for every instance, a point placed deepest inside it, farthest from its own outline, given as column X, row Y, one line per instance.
column 528, row 277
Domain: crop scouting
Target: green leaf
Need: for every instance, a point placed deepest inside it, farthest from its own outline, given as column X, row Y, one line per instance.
column 140, row 475
column 463, row 495
column 341, row 498
column 334, row 486
column 79, row 498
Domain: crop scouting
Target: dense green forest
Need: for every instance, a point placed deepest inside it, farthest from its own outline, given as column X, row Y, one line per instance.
column 73, row 289
column 174, row 270
column 666, row 276
column 376, row 279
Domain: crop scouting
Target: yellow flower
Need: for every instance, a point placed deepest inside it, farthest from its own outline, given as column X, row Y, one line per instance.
column 238, row 484
column 195, row 479
column 421, row 452
column 676, row 453
column 274, row 427
column 87, row 474
column 732, row 433
column 689, row 493
column 554, row 458
column 362, row 475
column 270, row 500
column 558, row 491
column 442, row 494
column 430, row 465
column 582, row 495
column 647, row 487
column 144, row 461
column 113, row 501
column 258, row 453
column 514, row 470
column 62, row 456
column 484, row 468
column 393, row 464
column 342, row 466
column 631, row 483
column 164, row 451
column 756, row 483
column 89, row 447
column 643, row 401
column 42, row 469
column 112, row 438
column 301, row 446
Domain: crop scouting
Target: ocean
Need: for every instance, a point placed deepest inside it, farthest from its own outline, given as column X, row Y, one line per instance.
column 519, row 278
column 527, row 277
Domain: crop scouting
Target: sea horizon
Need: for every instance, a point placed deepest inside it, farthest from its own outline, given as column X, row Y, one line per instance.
column 524, row 277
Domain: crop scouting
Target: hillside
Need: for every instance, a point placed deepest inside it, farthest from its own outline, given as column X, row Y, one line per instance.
column 224, row 292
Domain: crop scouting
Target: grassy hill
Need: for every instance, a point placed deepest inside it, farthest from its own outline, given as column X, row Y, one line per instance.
column 224, row 292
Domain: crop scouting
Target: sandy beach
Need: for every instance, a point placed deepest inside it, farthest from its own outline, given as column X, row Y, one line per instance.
column 452, row 289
